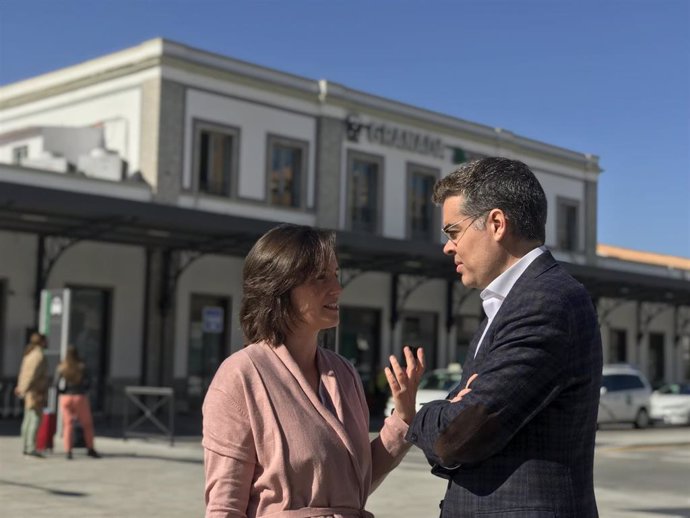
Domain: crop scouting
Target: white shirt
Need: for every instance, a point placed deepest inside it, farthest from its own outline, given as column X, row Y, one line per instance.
column 495, row 293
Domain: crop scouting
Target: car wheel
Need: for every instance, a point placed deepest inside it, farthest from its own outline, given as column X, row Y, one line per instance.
column 641, row 419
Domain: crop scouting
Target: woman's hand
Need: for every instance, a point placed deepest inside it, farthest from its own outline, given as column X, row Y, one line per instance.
column 404, row 382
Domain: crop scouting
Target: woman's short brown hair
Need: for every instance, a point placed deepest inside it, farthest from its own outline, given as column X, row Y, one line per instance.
column 283, row 258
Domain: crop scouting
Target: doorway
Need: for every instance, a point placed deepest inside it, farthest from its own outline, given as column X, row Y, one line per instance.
column 207, row 344
column 360, row 343
column 89, row 332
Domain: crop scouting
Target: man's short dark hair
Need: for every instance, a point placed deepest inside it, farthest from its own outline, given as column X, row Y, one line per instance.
column 499, row 183
column 283, row 258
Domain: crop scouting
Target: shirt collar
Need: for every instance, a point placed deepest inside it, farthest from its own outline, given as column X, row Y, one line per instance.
column 501, row 285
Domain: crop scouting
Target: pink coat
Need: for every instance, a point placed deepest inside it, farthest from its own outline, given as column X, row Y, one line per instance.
column 273, row 449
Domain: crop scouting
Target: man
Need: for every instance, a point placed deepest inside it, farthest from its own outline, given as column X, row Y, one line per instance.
column 519, row 440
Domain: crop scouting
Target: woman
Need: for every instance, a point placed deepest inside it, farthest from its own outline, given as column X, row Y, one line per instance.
column 286, row 422
column 73, row 385
column 32, row 387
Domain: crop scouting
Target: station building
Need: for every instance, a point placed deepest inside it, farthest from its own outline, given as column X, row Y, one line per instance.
column 140, row 179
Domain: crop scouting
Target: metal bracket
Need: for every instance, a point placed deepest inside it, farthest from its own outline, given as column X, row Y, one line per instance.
column 609, row 306
column 648, row 312
column 402, row 286
column 347, row 275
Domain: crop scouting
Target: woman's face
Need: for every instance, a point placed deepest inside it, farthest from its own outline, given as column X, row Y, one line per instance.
column 316, row 300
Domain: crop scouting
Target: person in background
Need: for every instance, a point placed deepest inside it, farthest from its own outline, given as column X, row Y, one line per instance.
column 73, row 385
column 285, row 422
column 32, row 387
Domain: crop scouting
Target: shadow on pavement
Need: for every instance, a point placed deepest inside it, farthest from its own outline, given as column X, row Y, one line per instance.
column 675, row 511
column 136, row 456
column 56, row 492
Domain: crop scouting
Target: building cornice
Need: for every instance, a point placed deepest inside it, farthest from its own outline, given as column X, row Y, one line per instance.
column 165, row 53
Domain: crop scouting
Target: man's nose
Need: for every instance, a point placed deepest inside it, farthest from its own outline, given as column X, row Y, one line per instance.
column 449, row 248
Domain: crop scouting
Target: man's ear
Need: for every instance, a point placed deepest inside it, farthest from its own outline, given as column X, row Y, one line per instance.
column 498, row 224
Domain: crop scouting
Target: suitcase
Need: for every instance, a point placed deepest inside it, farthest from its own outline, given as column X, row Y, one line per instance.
column 46, row 432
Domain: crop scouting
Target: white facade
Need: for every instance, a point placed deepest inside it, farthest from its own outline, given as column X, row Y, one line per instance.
column 253, row 106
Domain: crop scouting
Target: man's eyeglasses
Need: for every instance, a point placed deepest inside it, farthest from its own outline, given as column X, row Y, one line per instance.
column 453, row 235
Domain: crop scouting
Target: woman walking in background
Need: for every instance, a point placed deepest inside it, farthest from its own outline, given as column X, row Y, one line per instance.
column 32, row 387
column 73, row 385
column 286, row 424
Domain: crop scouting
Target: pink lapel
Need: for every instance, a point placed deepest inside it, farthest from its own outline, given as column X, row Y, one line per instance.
column 330, row 382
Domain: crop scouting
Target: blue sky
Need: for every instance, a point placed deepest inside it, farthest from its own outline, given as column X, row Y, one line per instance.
column 608, row 77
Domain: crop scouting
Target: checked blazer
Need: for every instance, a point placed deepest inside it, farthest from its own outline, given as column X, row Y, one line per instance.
column 521, row 443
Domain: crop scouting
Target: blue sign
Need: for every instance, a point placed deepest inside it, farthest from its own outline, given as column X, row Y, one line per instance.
column 212, row 319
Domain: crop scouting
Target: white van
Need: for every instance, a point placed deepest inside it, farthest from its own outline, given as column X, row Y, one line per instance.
column 625, row 396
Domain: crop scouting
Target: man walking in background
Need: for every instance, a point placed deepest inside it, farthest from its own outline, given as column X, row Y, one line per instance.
column 520, row 442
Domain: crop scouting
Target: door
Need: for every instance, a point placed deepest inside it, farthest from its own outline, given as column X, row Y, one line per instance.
column 89, row 332
column 419, row 330
column 360, row 331
column 207, row 344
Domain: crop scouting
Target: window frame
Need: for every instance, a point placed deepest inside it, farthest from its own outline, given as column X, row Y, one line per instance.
column 379, row 160
column 422, row 170
column 303, row 146
column 19, row 152
column 199, row 125
column 570, row 203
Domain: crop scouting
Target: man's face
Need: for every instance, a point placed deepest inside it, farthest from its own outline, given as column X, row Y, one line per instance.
column 472, row 245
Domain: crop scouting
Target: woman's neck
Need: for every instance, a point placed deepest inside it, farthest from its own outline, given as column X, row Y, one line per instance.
column 302, row 347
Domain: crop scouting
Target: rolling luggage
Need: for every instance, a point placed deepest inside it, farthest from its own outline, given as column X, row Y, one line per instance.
column 46, row 431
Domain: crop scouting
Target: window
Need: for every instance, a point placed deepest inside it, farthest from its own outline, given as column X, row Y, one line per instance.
column 216, row 152
column 617, row 382
column 419, row 330
column 286, row 171
column 618, row 346
column 567, row 238
column 364, row 192
column 19, row 153
column 422, row 218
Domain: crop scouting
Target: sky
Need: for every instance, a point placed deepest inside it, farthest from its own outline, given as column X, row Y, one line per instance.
column 606, row 77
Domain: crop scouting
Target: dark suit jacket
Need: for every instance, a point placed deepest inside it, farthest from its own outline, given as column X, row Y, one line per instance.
column 521, row 444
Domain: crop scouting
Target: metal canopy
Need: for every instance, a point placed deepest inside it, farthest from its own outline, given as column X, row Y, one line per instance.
column 85, row 216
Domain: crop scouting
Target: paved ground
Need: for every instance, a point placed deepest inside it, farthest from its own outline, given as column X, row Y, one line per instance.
column 138, row 478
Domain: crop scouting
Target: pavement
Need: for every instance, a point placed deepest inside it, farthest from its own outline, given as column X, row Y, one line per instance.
column 151, row 478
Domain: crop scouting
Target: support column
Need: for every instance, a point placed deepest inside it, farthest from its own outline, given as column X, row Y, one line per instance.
column 329, row 145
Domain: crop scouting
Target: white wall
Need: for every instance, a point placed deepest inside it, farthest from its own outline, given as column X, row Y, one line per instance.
column 116, row 104
column 18, row 268
column 34, row 144
column 120, row 269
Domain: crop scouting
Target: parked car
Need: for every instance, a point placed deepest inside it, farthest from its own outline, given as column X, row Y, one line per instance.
column 671, row 403
column 625, row 396
column 434, row 385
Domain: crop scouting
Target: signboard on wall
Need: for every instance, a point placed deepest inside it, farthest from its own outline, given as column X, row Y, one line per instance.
column 54, row 324
column 385, row 134
column 212, row 319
